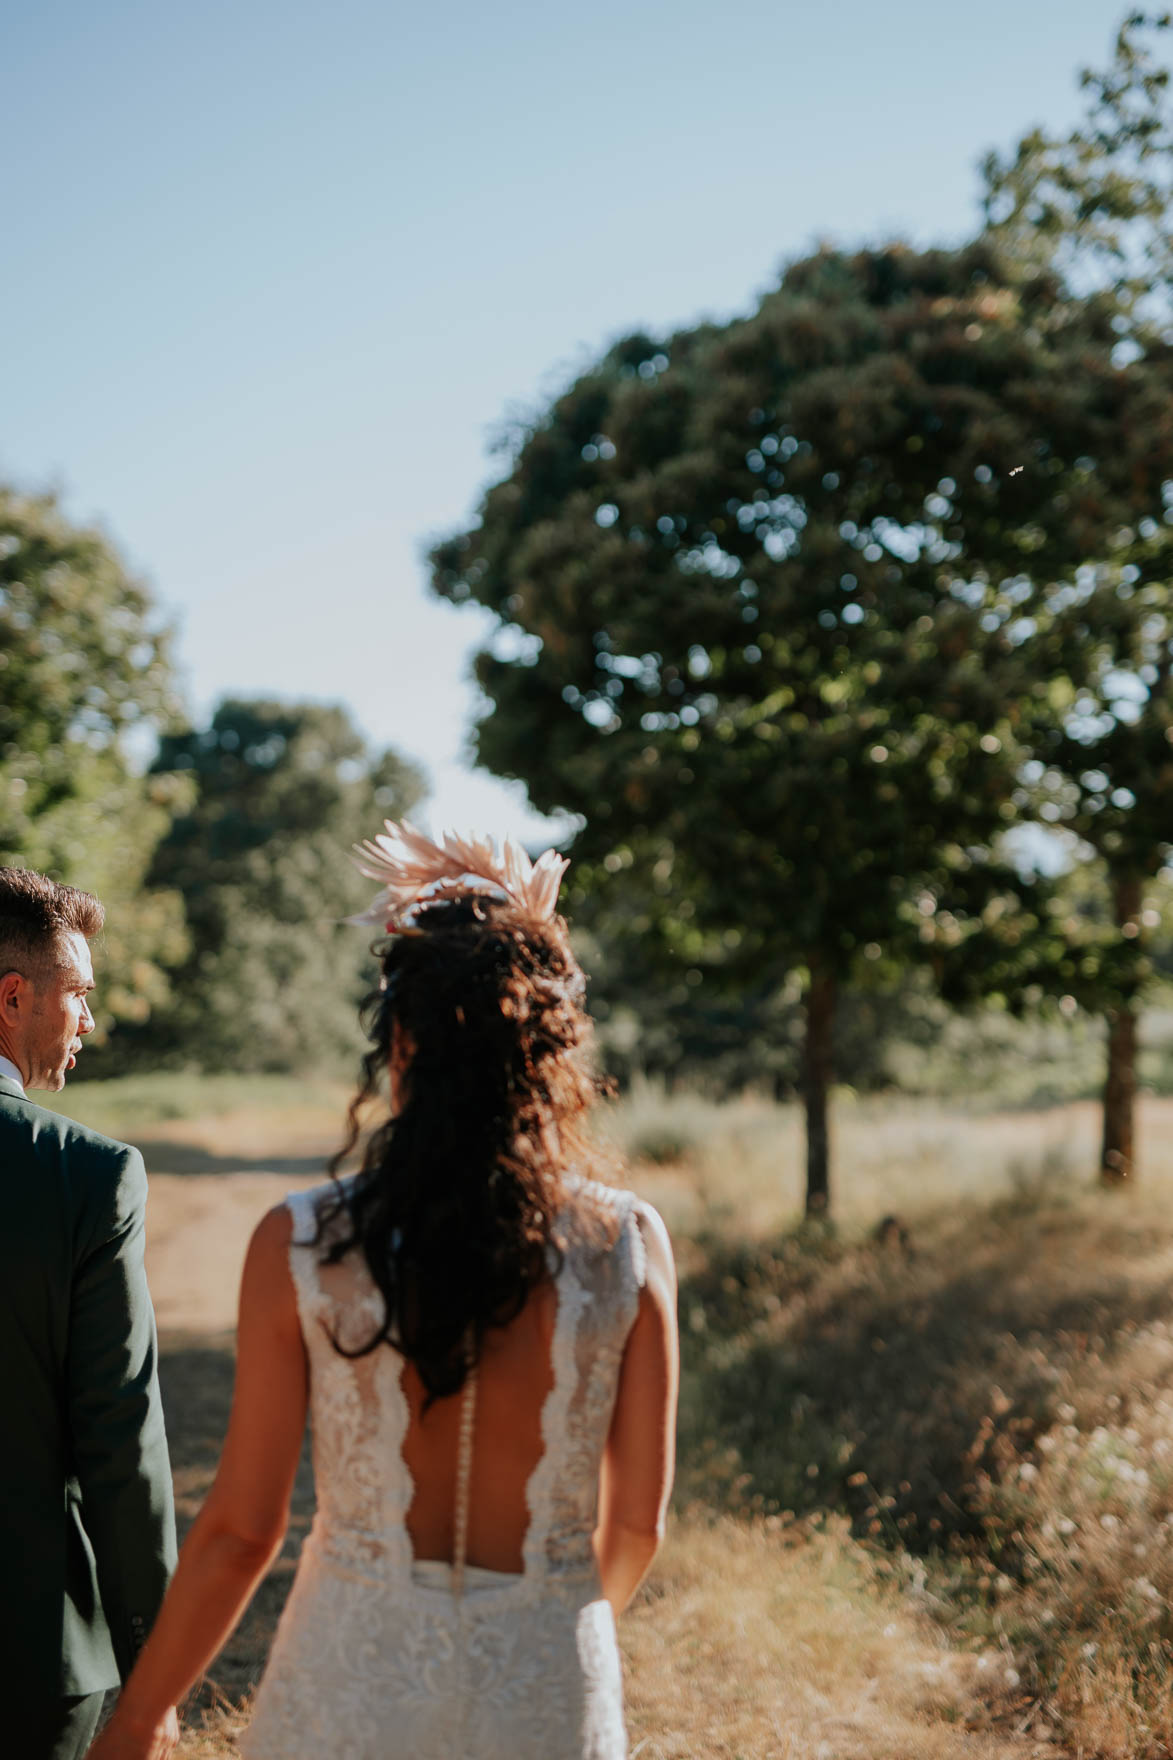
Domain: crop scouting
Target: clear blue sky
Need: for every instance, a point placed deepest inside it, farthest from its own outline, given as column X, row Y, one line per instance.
column 272, row 272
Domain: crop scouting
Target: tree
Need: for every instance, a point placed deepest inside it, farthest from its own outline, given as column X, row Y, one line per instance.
column 658, row 1025
column 281, row 792
column 1093, row 204
column 85, row 676
column 780, row 601
column 1107, row 777
column 1096, row 202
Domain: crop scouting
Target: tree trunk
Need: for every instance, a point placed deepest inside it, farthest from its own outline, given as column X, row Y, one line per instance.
column 1117, row 1163
column 817, row 1073
column 1116, row 1157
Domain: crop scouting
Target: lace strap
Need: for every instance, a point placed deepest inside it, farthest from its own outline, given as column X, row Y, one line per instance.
column 301, row 1206
column 639, row 1251
column 468, row 1412
column 303, row 1266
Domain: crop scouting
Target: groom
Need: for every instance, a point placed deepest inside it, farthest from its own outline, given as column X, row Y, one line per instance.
column 87, row 1529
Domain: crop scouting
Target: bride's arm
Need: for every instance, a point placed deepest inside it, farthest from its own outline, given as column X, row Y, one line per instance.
column 640, row 1456
column 241, row 1525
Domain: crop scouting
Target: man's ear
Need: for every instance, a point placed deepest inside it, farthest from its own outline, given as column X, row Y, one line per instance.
column 15, row 990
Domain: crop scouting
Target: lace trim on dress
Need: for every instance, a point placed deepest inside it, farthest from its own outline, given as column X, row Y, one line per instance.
column 398, row 1487
column 600, row 1289
column 639, row 1251
column 302, row 1266
column 539, row 1493
column 302, row 1206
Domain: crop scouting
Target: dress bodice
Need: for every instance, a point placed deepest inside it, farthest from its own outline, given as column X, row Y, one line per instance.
column 360, row 1412
column 379, row 1657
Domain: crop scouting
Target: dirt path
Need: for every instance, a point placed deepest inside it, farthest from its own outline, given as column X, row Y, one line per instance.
column 198, row 1229
column 211, row 1181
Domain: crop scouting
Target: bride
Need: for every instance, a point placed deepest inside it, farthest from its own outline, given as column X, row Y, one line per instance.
column 484, row 1338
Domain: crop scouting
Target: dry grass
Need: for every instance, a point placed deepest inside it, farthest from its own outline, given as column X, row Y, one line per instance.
column 758, row 1639
column 1087, row 1515
column 973, row 1426
column 739, row 1167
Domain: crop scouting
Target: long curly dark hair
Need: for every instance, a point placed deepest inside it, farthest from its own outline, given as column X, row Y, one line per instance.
column 455, row 1202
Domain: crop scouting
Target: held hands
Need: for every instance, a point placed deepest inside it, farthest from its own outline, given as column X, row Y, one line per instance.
column 126, row 1739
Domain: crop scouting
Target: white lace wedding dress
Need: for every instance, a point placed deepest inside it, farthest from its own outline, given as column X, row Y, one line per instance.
column 379, row 1657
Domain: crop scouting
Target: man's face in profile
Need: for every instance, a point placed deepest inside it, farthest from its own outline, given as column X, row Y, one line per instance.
column 59, row 1015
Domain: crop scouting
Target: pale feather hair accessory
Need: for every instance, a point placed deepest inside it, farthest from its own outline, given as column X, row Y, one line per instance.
column 413, row 868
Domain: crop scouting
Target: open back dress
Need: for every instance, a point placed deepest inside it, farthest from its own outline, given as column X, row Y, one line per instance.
column 380, row 1656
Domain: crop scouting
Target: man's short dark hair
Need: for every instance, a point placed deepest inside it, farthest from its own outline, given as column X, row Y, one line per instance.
column 36, row 913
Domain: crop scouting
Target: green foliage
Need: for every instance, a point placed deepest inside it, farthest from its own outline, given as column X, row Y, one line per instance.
column 131, row 1106
column 770, row 635
column 1094, row 202
column 785, row 604
column 261, row 860
column 83, row 668
column 723, row 1039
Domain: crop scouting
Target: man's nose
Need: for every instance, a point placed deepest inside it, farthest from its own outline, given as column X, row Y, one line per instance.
column 86, row 1023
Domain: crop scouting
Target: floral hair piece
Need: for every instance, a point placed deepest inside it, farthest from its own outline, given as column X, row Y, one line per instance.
column 411, row 866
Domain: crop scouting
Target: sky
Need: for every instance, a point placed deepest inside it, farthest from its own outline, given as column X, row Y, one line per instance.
column 272, row 274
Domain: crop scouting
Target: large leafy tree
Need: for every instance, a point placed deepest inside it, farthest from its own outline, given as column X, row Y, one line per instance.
column 1097, row 203
column 281, row 791
column 85, row 685
column 782, row 603
column 1107, row 776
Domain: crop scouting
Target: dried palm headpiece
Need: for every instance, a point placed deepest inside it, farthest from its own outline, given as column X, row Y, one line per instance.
column 412, row 868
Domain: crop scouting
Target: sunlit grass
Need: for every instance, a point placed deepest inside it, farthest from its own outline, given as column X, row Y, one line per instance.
column 129, row 1105
column 925, row 1500
column 740, row 1166
column 758, row 1640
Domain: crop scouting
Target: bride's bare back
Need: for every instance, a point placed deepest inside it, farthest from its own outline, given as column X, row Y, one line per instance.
column 514, row 1379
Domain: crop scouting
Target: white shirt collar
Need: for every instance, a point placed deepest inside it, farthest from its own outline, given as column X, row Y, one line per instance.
column 9, row 1069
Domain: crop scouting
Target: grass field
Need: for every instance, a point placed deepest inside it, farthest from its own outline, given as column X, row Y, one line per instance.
column 925, row 1500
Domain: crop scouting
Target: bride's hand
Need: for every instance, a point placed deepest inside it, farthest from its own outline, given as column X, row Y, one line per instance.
column 124, row 1739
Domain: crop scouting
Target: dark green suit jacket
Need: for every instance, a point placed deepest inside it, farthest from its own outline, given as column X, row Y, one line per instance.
column 87, row 1525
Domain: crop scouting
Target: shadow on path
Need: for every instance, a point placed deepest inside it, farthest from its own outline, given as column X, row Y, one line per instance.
column 196, row 1372
column 163, row 1156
